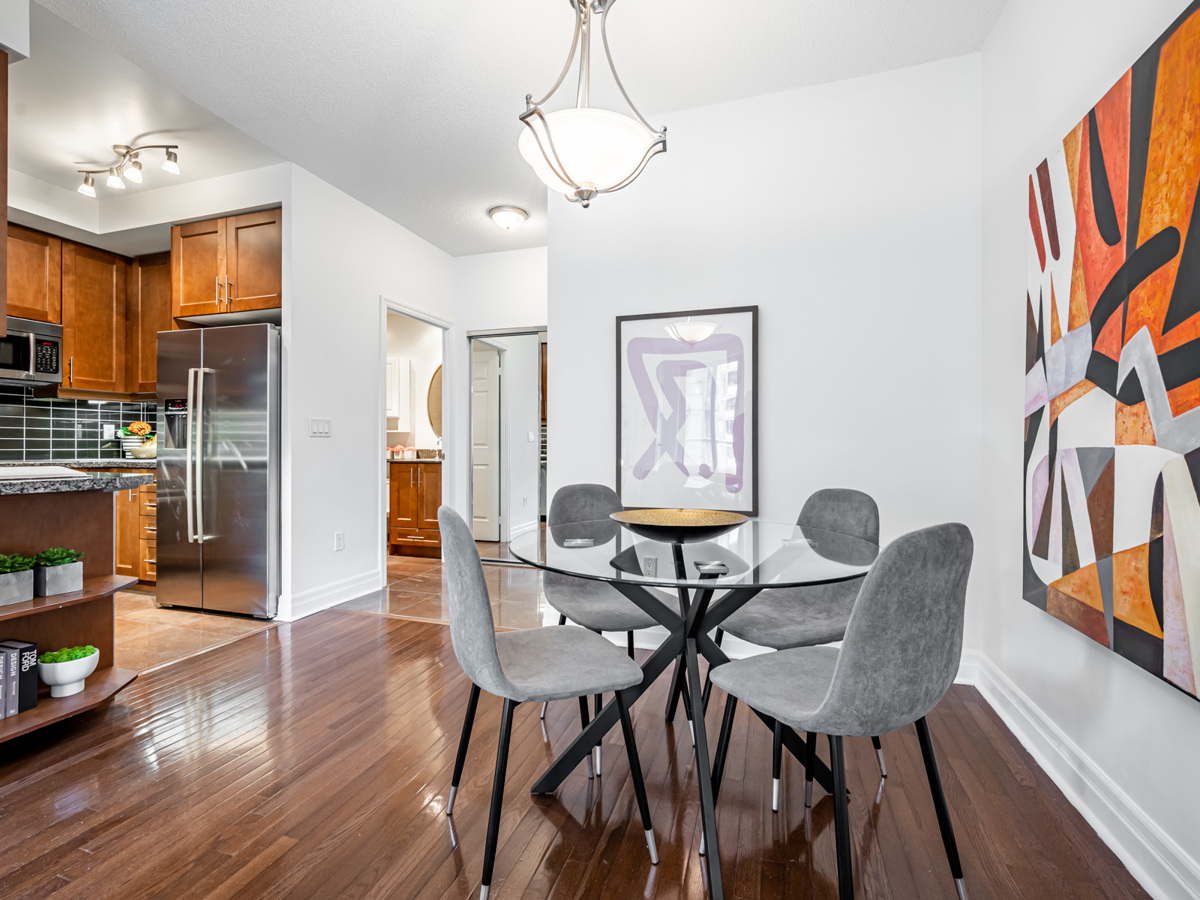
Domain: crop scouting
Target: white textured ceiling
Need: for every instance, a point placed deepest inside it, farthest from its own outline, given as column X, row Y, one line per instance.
column 74, row 98
column 411, row 107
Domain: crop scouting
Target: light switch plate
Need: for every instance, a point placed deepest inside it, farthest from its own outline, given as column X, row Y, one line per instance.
column 319, row 428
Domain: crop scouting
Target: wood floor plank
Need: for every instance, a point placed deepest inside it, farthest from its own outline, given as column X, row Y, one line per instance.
column 313, row 760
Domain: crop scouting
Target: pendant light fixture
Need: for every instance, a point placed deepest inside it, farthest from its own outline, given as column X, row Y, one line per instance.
column 129, row 166
column 582, row 151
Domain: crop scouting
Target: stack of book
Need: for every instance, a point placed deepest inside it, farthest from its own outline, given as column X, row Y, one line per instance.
column 19, row 681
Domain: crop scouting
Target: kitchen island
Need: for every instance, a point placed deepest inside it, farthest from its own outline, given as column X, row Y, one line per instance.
column 38, row 513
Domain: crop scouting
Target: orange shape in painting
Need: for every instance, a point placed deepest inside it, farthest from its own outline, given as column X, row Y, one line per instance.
column 1079, row 313
column 1078, row 615
column 1131, row 590
column 1133, row 425
column 1083, row 585
column 1055, row 327
column 1065, row 399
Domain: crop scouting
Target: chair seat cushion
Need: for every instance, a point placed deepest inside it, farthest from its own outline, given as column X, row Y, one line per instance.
column 597, row 605
column 789, row 685
column 558, row 662
column 796, row 617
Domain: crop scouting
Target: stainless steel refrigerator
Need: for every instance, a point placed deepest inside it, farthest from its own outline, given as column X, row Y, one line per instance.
column 218, row 469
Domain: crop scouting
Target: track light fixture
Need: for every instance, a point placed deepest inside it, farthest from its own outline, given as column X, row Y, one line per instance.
column 129, row 166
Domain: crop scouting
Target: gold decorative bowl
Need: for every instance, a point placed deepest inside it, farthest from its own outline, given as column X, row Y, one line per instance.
column 679, row 526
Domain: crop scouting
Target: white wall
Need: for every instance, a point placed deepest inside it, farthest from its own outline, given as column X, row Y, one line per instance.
column 340, row 257
column 850, row 214
column 1121, row 743
column 521, row 416
column 491, row 291
column 418, row 343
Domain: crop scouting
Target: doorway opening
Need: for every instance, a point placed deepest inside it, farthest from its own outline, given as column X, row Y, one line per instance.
column 508, row 437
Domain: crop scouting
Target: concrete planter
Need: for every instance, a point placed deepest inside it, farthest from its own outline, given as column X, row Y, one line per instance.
column 16, row 587
column 51, row 580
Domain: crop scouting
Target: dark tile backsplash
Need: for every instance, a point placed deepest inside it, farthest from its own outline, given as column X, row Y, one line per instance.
column 34, row 429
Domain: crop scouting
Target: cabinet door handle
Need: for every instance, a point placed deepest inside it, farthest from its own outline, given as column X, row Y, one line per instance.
column 228, row 293
column 71, row 371
column 217, row 292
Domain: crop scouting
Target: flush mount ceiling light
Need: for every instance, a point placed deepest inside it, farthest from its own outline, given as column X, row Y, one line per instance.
column 508, row 217
column 129, row 166
column 691, row 333
column 582, row 151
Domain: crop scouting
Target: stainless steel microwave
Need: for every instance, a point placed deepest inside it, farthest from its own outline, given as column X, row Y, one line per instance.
column 32, row 352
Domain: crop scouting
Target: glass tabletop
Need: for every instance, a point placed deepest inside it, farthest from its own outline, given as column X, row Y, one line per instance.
column 754, row 554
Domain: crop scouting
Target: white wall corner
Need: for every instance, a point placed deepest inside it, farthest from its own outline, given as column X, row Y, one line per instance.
column 1156, row 860
column 14, row 29
column 325, row 596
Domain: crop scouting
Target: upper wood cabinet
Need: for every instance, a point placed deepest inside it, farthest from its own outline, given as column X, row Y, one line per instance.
column 3, row 184
column 227, row 265
column 94, row 283
column 149, row 312
column 34, row 275
column 254, row 260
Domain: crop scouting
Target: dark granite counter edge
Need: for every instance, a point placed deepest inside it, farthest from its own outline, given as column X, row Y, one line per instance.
column 102, row 482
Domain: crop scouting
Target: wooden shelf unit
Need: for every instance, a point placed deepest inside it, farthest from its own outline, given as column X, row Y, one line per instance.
column 68, row 620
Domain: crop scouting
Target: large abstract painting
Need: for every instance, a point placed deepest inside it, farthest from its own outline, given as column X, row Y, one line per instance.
column 1112, row 367
column 687, row 416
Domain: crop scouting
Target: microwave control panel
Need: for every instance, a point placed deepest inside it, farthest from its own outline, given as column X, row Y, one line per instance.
column 47, row 358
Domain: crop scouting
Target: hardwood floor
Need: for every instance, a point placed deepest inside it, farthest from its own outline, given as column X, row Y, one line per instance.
column 313, row 760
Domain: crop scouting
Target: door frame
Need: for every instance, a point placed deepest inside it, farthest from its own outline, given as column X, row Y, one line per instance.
column 392, row 305
column 494, row 337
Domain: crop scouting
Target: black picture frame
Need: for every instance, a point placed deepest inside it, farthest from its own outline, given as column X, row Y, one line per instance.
column 667, row 317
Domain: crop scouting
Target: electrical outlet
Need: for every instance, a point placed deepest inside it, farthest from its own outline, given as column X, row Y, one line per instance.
column 650, row 566
column 339, row 541
column 321, row 428
column 108, row 432
column 531, row 437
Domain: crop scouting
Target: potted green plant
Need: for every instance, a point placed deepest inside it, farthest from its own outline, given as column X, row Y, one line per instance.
column 65, row 670
column 16, row 578
column 59, row 571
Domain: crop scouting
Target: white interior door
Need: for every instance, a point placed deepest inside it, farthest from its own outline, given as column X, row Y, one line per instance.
column 485, row 442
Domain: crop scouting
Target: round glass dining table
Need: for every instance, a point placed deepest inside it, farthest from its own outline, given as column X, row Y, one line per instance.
column 713, row 579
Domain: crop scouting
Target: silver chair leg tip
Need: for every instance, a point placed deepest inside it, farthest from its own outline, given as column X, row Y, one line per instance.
column 775, row 795
column 598, row 770
column 591, row 771
column 543, row 715
column 703, row 845
column 483, row 892
column 962, row 889
column 808, row 794
column 653, row 846
column 882, row 765
column 450, row 802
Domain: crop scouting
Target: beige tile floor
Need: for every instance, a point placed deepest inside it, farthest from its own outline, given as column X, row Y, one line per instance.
column 146, row 636
column 417, row 589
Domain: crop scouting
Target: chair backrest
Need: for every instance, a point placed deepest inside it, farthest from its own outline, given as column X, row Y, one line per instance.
column 472, row 628
column 582, row 503
column 904, row 639
column 843, row 510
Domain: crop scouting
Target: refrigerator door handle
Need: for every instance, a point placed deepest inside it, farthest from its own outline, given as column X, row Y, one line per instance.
column 187, row 457
column 197, row 454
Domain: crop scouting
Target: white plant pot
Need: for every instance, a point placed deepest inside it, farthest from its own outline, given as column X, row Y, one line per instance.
column 67, row 678
column 16, row 587
column 51, row 580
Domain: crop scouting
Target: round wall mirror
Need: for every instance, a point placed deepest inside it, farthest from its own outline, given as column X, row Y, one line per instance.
column 434, row 402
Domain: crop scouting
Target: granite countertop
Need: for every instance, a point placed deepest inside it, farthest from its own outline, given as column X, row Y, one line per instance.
column 89, row 463
column 415, row 460
column 99, row 481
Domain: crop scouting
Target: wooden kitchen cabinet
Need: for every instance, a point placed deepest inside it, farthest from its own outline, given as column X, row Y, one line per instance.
column 232, row 264
column 34, row 275
column 149, row 312
column 127, row 513
column 93, row 318
column 415, row 493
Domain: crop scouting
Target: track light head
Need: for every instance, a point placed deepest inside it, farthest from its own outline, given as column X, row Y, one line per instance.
column 88, row 187
column 171, row 163
column 134, row 172
column 115, row 180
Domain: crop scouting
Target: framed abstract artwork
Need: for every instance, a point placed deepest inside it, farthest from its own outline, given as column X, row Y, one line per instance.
column 687, row 409
column 1112, row 367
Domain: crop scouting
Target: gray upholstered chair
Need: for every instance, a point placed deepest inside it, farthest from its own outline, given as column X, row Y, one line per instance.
column 525, row 666
column 809, row 616
column 899, row 656
column 593, row 604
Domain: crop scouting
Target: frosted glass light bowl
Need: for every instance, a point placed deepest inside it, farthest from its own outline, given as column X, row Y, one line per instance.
column 67, row 678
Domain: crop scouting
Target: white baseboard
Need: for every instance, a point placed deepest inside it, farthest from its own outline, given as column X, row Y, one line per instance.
column 1162, row 867
column 314, row 600
column 524, row 528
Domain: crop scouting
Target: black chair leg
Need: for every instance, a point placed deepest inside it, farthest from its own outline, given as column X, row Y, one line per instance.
column 708, row 677
column 776, row 765
column 939, row 802
column 629, row 643
column 584, row 719
column 598, row 704
column 461, row 759
column 493, row 832
column 810, row 757
column 841, row 819
column 723, row 744
column 879, row 756
column 635, row 772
